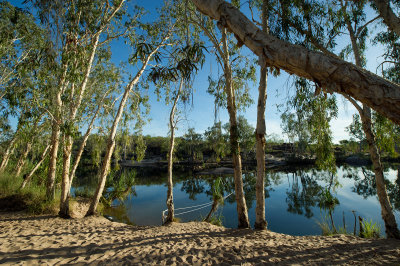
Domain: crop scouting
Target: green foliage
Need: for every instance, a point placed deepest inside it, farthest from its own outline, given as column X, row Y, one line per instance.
column 84, row 192
column 217, row 220
column 355, row 129
column 307, row 118
column 191, row 145
column 327, row 229
column 119, row 185
column 216, row 141
column 327, row 200
column 32, row 197
column 247, row 138
column 370, row 229
column 387, row 134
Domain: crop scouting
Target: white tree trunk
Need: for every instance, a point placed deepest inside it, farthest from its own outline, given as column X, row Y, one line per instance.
column 170, row 185
column 51, row 175
column 243, row 219
column 22, row 159
column 332, row 74
column 261, row 223
column 111, row 138
column 84, row 141
column 7, row 154
column 69, row 141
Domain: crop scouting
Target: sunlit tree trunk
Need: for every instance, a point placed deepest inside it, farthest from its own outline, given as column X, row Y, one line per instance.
column 331, row 73
column 84, row 141
column 243, row 219
column 69, row 141
column 105, row 167
column 29, row 176
column 11, row 146
column 7, row 154
column 170, row 185
column 261, row 223
column 22, row 159
column 55, row 141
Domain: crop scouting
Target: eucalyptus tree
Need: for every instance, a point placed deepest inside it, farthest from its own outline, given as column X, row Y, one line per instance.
column 147, row 39
column 348, row 16
column 183, row 63
column 260, row 222
column 230, row 91
column 309, row 123
column 21, row 40
column 78, row 30
column 331, row 73
column 354, row 15
column 22, row 44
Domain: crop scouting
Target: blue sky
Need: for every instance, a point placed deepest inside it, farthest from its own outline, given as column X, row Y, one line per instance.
column 200, row 115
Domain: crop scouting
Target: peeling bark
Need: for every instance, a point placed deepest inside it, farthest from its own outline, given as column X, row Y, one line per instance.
column 332, row 74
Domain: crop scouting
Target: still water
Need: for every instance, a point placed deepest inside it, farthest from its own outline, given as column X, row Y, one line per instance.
column 294, row 198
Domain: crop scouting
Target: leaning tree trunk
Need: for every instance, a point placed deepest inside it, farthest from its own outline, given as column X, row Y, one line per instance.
column 84, row 141
column 243, row 219
column 69, row 141
column 22, row 159
column 214, row 208
column 7, row 154
column 170, row 185
column 29, row 176
column 261, row 223
column 392, row 231
column 332, row 74
column 111, row 138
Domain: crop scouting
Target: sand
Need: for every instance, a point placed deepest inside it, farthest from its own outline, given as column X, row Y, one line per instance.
column 45, row 239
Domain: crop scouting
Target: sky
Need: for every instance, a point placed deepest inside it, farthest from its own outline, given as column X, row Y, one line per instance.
column 200, row 113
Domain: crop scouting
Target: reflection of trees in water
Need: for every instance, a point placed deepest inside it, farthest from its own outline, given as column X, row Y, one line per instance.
column 394, row 191
column 193, row 186
column 304, row 192
column 364, row 183
column 204, row 184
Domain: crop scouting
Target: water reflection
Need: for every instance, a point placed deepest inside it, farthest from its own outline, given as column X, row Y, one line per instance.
column 295, row 199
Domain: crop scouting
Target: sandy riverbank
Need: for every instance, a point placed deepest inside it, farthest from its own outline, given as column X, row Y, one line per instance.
column 50, row 240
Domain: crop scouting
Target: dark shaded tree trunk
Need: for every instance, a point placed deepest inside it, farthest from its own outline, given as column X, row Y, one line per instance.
column 392, row 231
